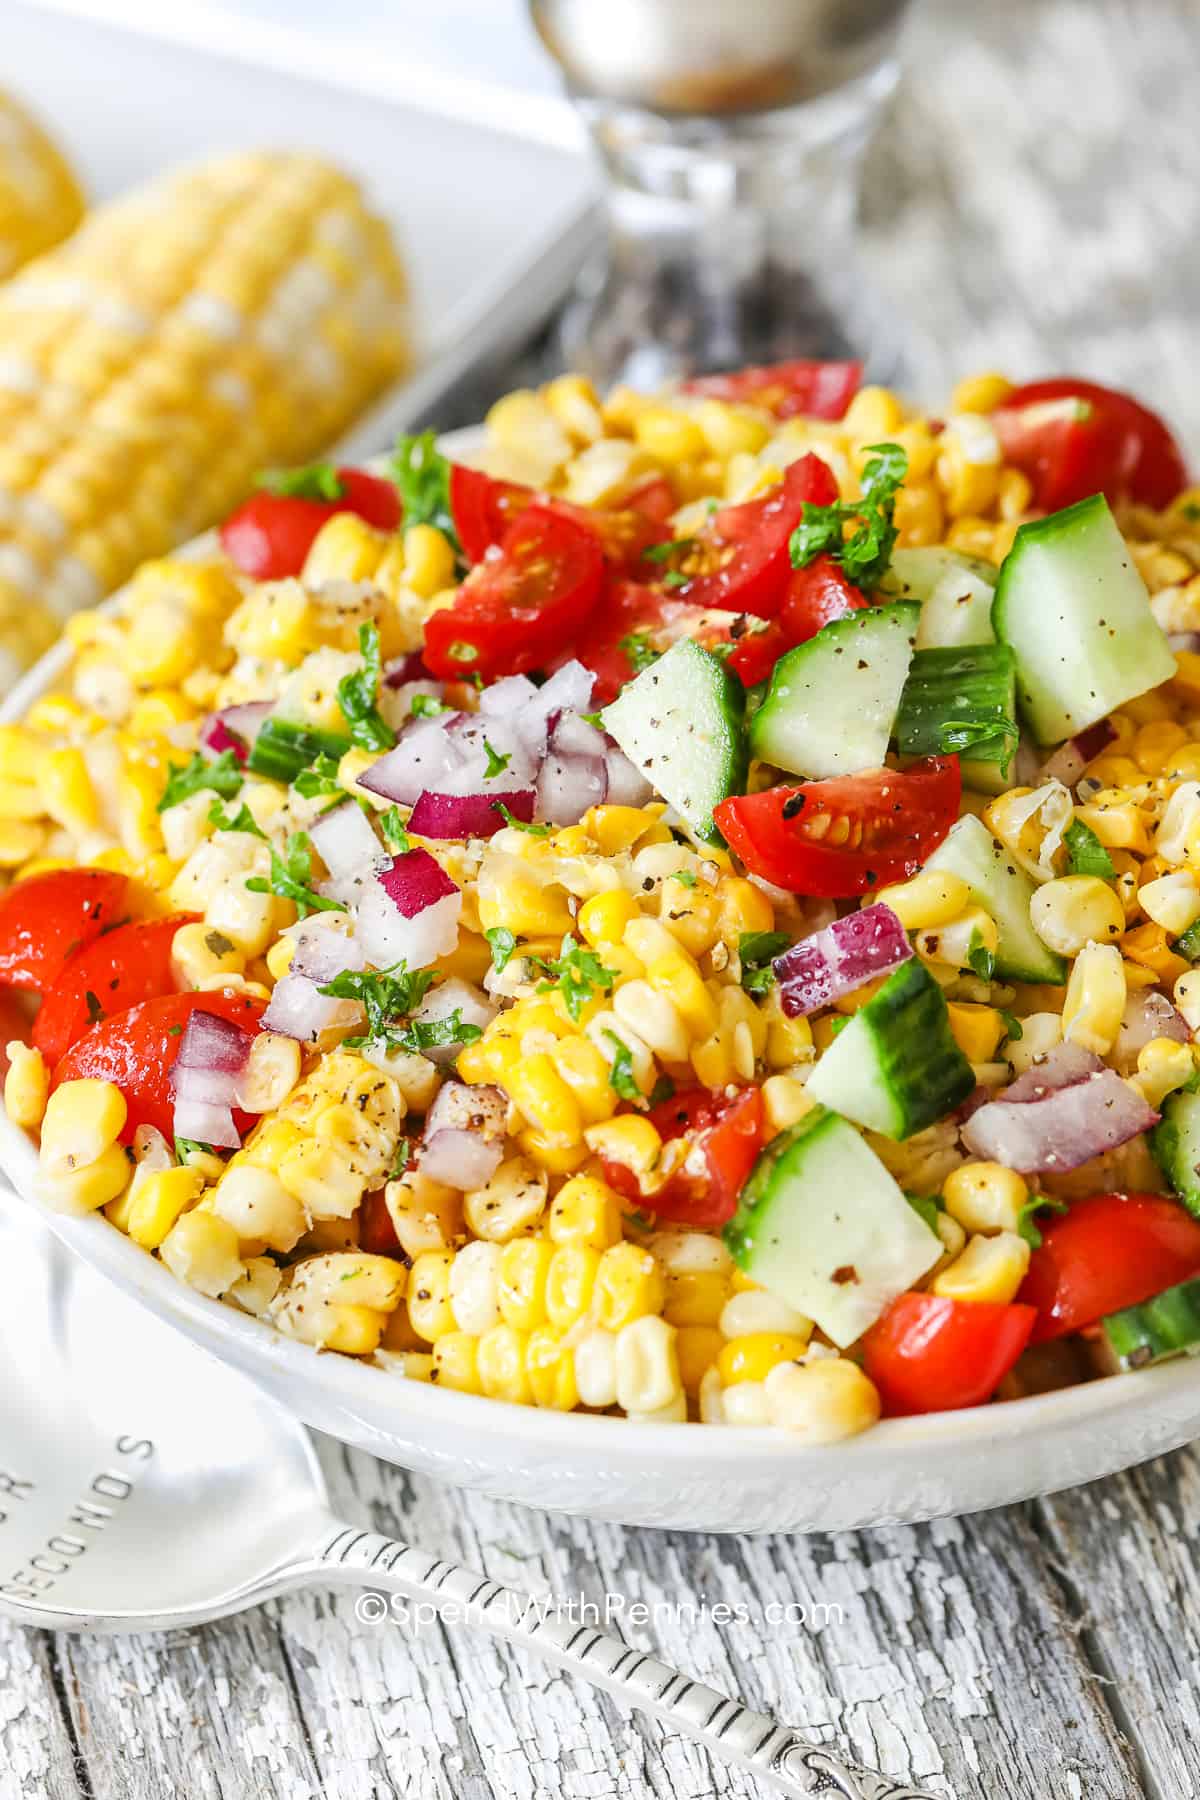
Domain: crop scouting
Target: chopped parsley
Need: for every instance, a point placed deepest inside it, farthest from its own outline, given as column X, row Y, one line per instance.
column 434, row 1034
column 496, row 764
column 1014, row 1031
column 866, row 553
column 242, row 820
column 503, row 942
column 319, row 779
column 291, row 878
column 639, row 650
column 620, row 1075
column 1026, row 1222
column 385, row 995
column 356, row 696
column 317, row 481
column 1086, row 855
column 520, row 824
column 185, row 1147
column 675, row 578
column 394, row 834
column 757, row 950
column 685, row 877
column 980, row 959
column 404, row 1154
column 422, row 476
column 428, row 706
column 661, row 553
column 223, row 776
column 578, row 974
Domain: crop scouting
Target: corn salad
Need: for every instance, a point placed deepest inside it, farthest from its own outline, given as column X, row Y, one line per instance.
column 508, row 1163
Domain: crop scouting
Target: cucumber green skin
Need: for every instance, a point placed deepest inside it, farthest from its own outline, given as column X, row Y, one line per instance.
column 1003, row 889
column 1167, row 1325
column 976, row 683
column 896, row 1067
column 1189, row 944
column 685, row 702
column 1175, row 1144
column 1075, row 610
column 832, row 676
column 282, row 748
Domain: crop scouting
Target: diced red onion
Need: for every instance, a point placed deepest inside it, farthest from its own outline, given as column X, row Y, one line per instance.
column 213, row 1053
column 423, row 758
column 298, row 1010
column 1062, row 1131
column 403, row 669
column 409, row 913
column 321, row 951
column 348, row 847
column 627, row 786
column 449, row 997
column 463, row 1144
column 477, row 744
column 839, row 958
column 569, row 783
column 468, row 815
column 507, row 696
column 1061, row 1066
column 458, row 1159
column 569, row 689
column 234, row 728
column 1148, row 1015
column 1070, row 760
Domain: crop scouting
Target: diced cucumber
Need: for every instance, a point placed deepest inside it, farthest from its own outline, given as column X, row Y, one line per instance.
column 1189, row 944
column 283, row 747
column 962, row 701
column 822, row 1224
column 681, row 722
column 1075, row 609
column 1167, row 1325
column 832, row 701
column 895, row 1067
column 1175, row 1142
column 1004, row 890
column 955, row 592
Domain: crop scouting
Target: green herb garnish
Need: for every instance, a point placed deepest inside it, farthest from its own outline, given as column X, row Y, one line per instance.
column 866, row 553
column 185, row 1147
column 757, row 950
column 395, row 836
column 319, row 779
column 242, row 820
column 318, row 481
column 503, row 943
column 356, row 696
column 291, row 878
column 422, row 477
column 1086, row 855
column 661, row 553
column 1014, row 1031
column 980, row 959
column 520, row 824
column 223, row 776
column 620, row 1074
column 496, row 764
column 428, row 706
column 639, row 651
column 927, row 1207
column 386, row 995
column 1026, row 1223
column 420, row 1035
column 578, row 974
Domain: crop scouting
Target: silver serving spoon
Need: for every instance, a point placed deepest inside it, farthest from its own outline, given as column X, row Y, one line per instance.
column 145, row 1486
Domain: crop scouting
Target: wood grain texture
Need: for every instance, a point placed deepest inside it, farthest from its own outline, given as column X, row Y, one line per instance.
column 1032, row 202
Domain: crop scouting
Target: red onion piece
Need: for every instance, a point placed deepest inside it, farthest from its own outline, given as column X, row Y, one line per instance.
column 423, row 758
column 322, row 952
column 839, row 958
column 574, row 775
column 234, row 728
column 627, row 786
column 1148, row 1015
column 298, row 1010
column 449, row 997
column 1065, row 1064
column 458, row 1159
column 1062, row 1131
column 569, row 689
column 204, row 1079
column 468, row 815
column 463, row 1144
column 347, row 843
column 507, row 696
column 414, row 881
column 1070, row 760
column 409, row 913
column 403, row 669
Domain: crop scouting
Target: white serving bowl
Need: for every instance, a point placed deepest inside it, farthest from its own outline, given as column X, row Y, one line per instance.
column 682, row 1477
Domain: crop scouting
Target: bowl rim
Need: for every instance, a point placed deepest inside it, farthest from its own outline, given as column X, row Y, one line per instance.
column 360, row 1389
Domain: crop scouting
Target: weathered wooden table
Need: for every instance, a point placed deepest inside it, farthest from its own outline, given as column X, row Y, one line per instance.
column 1034, row 203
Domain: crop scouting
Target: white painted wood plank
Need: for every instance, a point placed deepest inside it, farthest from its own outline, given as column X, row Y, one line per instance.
column 36, row 1752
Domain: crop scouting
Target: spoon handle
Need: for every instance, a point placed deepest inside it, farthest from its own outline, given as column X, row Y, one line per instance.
column 771, row 1751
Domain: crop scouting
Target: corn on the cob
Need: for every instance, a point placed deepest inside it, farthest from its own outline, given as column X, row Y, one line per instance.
column 40, row 200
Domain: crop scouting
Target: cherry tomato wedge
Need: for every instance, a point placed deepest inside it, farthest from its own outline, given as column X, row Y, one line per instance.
column 118, row 970
column 1074, row 438
column 894, row 820
column 1109, row 1251
column 46, row 918
column 484, row 507
column 376, row 1233
column 729, row 1134
column 815, row 596
column 518, row 609
column 818, row 390
column 270, row 535
column 927, row 1354
column 137, row 1049
column 738, row 562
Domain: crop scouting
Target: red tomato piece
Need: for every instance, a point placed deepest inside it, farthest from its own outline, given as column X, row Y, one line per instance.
column 120, row 969
column 1074, row 438
column 270, row 535
column 654, row 499
column 519, row 609
column 815, row 596
column 137, row 1049
column 484, row 509
column 932, row 1355
column 729, row 1134
column 627, row 609
column 818, row 390
column 895, row 819
column 46, row 918
column 1109, row 1251
column 739, row 561
column 376, row 1233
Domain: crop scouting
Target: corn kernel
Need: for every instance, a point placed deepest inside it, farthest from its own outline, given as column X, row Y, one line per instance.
column 428, row 560
column 751, row 1358
column 429, row 1305
column 550, row 1365
column 670, row 437
column 697, row 1348
column 82, row 1119
column 521, row 1293
column 160, row 1200
column 931, row 898
column 977, row 1030
column 456, row 1362
column 629, row 1284
column 26, row 1085
column 1095, row 998
column 985, row 1197
column 1162, row 1067
column 1172, row 901
column 502, row 1358
column 989, row 1269
column 1075, row 910
column 821, row 1402
column 585, row 1211
column 202, row 1250
column 980, row 393
column 695, row 1297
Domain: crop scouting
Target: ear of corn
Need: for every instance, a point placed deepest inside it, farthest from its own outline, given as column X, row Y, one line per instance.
column 40, row 200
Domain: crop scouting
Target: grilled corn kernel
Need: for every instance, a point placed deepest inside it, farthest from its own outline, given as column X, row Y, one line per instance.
column 1162, row 1067
column 550, row 1366
column 695, row 1297
column 1075, row 910
column 751, row 1358
column 20, row 842
column 428, row 560
column 1186, row 994
column 159, row 1201
column 345, row 549
column 199, row 952
column 629, row 1284
column 26, row 1085
column 603, row 918
column 254, row 1201
column 989, row 1269
column 669, row 436
column 456, row 1362
column 1150, row 946
column 821, row 1402
column 535, row 1086
column 654, row 1017
column 1095, row 998
column 474, row 1287
column 521, row 1291
column 84, row 1187
column 1119, row 824
column 570, row 1284
column 679, row 980
column 784, row 1102
column 697, row 1348
column 977, row 1030
column 985, row 1197
column 585, row 1211
column 511, row 1202
column 744, row 909
column 1172, row 901
column 202, row 1250
column 647, row 1366
column 430, row 1310
column 957, row 941
column 981, row 393
column 932, row 898
column 754, row 1313
column 629, row 1140
column 82, row 1119
column 745, row 1403
column 67, row 792
column 502, row 1359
